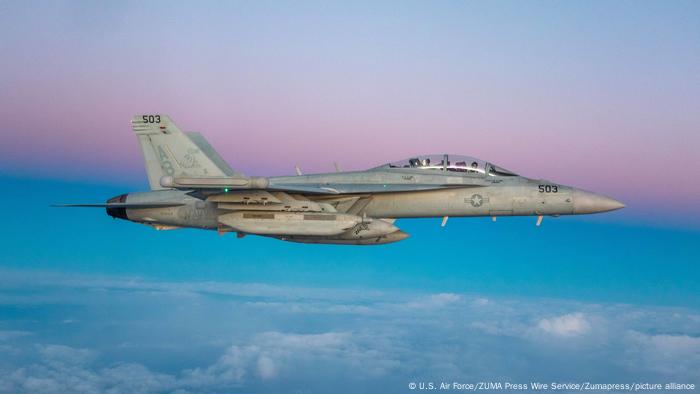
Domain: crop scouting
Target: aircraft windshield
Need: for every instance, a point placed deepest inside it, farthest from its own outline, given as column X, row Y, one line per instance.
column 499, row 171
column 453, row 163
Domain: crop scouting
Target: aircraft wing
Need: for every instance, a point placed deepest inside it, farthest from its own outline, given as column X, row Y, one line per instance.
column 260, row 200
column 264, row 200
column 361, row 188
column 217, row 184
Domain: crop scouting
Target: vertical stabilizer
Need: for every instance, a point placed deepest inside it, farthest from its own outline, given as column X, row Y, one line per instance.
column 208, row 150
column 169, row 151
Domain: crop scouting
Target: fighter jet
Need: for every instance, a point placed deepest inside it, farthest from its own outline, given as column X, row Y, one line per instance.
column 192, row 187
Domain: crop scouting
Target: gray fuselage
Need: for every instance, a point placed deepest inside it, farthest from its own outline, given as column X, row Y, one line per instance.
column 461, row 195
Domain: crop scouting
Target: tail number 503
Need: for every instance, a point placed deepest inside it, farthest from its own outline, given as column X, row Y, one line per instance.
column 151, row 118
column 549, row 188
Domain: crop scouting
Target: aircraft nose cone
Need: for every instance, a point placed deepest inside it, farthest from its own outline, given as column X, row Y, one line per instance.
column 588, row 202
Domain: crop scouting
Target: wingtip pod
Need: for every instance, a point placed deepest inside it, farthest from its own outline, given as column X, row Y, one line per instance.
column 233, row 183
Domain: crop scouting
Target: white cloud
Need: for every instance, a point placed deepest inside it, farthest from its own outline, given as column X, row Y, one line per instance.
column 162, row 336
column 570, row 325
column 316, row 342
column 10, row 334
column 435, row 301
column 266, row 367
column 65, row 354
column 672, row 354
column 674, row 345
column 134, row 378
column 271, row 354
column 267, row 356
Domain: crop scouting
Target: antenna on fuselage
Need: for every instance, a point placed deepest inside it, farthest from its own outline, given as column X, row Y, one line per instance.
column 444, row 221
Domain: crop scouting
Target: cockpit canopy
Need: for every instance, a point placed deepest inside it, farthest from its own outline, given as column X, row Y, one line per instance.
column 453, row 163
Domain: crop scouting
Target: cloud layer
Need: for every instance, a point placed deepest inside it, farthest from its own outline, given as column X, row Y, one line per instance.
column 63, row 333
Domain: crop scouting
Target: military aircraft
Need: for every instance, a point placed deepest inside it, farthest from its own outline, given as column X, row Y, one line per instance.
column 191, row 186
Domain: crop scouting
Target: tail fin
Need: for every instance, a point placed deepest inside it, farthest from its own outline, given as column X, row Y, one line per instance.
column 169, row 151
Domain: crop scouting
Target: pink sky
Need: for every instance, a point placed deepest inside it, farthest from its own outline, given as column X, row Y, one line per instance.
column 596, row 97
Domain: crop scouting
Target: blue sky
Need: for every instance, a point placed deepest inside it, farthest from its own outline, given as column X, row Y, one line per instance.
column 91, row 304
column 598, row 95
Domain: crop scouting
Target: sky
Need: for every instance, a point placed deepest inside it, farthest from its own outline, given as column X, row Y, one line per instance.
column 598, row 95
